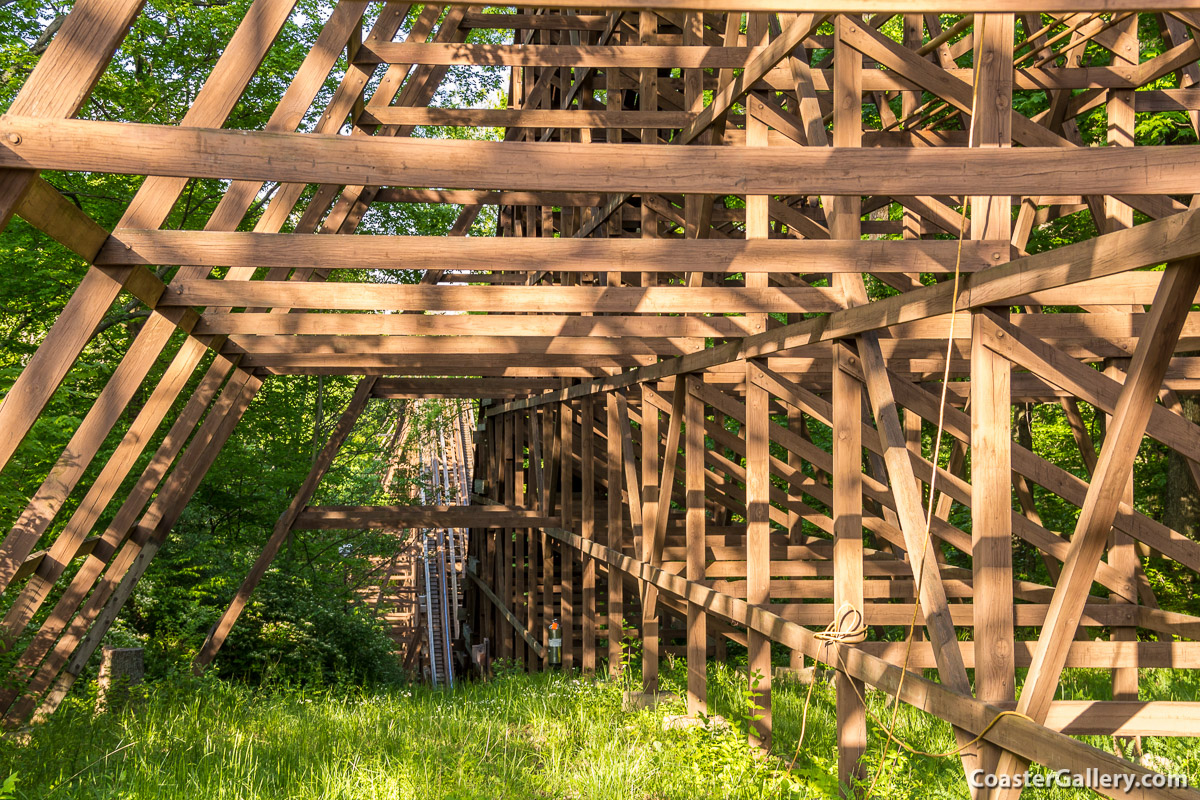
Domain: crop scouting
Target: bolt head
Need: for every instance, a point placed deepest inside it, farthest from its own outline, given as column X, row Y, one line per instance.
column 13, row 138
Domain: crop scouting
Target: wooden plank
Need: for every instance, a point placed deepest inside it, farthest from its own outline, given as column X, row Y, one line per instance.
column 907, row 494
column 723, row 256
column 509, row 616
column 129, row 148
column 317, row 518
column 255, row 34
column 558, row 55
column 758, row 550
column 116, row 532
column 524, row 118
column 991, row 526
column 1097, row 654
column 527, row 299
column 697, row 627
column 587, row 460
column 46, row 368
column 1102, row 391
column 46, row 209
column 110, row 404
column 553, row 22
column 103, row 488
column 848, row 564
column 411, row 388
column 493, row 346
column 651, row 508
column 617, row 325
column 35, row 560
column 567, row 556
column 615, row 533
column 991, row 412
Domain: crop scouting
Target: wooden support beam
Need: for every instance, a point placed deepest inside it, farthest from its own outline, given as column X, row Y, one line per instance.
column 509, row 299
column 991, row 411
column 615, row 538
column 558, row 55
column 530, row 640
column 722, row 256
column 129, row 148
column 321, row 518
column 103, row 489
column 758, row 550
column 587, row 460
column 847, row 479
column 49, row 498
column 652, row 507
column 697, row 628
column 567, row 559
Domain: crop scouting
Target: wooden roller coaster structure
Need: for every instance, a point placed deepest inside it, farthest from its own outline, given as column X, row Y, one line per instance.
column 755, row 255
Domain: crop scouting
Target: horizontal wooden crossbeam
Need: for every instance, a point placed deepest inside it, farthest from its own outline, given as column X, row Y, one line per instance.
column 526, row 118
column 219, row 322
column 725, row 256
column 135, row 149
column 451, row 388
column 321, row 518
column 534, row 55
column 508, row 299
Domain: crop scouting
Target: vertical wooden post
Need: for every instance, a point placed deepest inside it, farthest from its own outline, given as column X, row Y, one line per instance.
column 587, row 460
column 504, row 550
column 697, row 628
column 616, row 535
column 1122, row 553
column 566, row 422
column 650, row 511
column 695, row 220
column 991, row 417
column 535, row 487
column 522, row 591
column 991, row 528
column 553, row 453
column 758, row 548
column 848, row 563
column 845, row 222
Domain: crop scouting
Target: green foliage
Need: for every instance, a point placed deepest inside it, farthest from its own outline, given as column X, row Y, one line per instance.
column 544, row 735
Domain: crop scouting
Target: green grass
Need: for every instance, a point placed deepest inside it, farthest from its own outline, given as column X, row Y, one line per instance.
column 539, row 736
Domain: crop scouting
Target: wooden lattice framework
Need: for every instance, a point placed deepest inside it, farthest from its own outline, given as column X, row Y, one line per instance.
column 660, row 442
